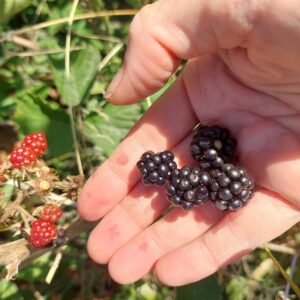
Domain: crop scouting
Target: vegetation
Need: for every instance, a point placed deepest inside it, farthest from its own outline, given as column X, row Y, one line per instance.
column 57, row 59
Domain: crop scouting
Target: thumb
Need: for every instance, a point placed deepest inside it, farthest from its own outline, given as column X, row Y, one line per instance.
column 167, row 31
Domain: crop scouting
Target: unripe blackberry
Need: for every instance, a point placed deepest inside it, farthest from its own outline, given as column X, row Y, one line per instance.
column 42, row 233
column 188, row 187
column 230, row 188
column 213, row 146
column 22, row 157
column 37, row 142
column 51, row 213
column 156, row 168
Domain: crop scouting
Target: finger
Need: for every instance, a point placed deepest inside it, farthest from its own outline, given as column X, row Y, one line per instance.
column 270, row 150
column 166, row 31
column 264, row 218
column 166, row 123
column 138, row 210
column 178, row 227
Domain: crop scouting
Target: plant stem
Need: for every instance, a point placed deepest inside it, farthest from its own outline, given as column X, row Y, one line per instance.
column 283, row 272
column 91, row 15
column 68, row 77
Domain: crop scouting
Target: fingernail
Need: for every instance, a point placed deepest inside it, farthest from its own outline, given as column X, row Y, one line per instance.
column 114, row 84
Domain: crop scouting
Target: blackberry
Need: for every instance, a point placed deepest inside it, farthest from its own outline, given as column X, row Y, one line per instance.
column 230, row 188
column 156, row 168
column 213, row 146
column 188, row 187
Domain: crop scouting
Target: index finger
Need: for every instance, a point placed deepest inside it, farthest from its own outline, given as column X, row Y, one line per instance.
column 165, row 124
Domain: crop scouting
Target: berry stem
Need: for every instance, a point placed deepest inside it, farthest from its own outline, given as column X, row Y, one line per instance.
column 75, row 141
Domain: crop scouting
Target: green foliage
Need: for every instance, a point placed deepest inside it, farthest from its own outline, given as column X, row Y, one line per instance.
column 11, row 7
column 9, row 291
column 205, row 289
column 107, row 127
column 83, row 70
column 34, row 114
column 237, row 288
column 34, row 95
column 6, row 107
column 37, row 270
column 6, row 193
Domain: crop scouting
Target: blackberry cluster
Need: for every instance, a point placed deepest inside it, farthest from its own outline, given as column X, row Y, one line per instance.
column 188, row 187
column 156, row 168
column 230, row 187
column 216, row 179
column 213, row 146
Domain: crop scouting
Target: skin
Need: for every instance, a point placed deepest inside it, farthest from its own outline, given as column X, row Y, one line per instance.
column 243, row 73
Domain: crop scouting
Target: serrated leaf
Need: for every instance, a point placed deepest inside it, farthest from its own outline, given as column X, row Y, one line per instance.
column 106, row 129
column 34, row 114
column 205, row 289
column 83, row 71
column 10, row 8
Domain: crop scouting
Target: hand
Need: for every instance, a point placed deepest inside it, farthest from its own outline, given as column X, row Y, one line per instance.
column 243, row 73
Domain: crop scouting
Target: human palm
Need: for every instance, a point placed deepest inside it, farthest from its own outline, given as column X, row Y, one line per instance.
column 239, row 85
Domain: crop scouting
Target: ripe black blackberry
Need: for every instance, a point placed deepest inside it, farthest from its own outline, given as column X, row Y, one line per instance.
column 213, row 146
column 230, row 187
column 188, row 187
column 156, row 168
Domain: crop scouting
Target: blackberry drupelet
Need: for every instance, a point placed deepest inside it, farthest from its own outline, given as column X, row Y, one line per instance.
column 156, row 168
column 213, row 146
column 230, row 187
column 188, row 187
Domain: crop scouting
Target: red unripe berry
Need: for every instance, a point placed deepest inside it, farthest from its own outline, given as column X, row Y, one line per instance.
column 42, row 233
column 22, row 156
column 37, row 142
column 51, row 213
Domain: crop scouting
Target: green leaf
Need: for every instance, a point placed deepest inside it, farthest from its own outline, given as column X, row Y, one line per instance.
column 106, row 129
column 37, row 270
column 7, row 192
column 10, row 8
column 34, row 114
column 156, row 95
column 206, row 289
column 9, row 291
column 83, row 69
column 237, row 289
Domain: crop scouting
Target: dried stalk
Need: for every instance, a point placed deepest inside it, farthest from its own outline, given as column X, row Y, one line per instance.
column 12, row 207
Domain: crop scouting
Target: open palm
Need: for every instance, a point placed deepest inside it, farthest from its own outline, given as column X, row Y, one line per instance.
column 247, row 80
